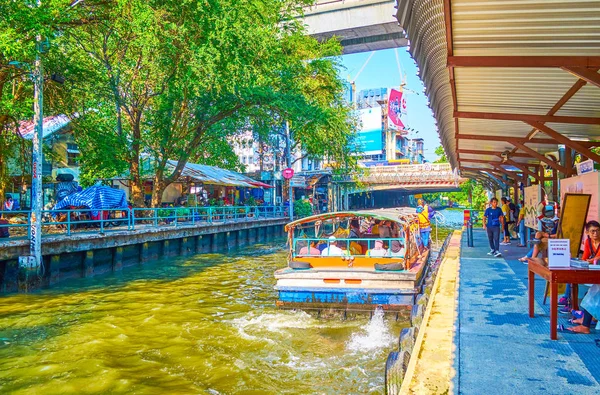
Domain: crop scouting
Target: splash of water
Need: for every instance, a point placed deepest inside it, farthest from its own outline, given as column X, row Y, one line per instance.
column 375, row 335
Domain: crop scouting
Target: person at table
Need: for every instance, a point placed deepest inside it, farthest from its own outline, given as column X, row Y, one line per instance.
column 591, row 254
column 493, row 221
column 332, row 249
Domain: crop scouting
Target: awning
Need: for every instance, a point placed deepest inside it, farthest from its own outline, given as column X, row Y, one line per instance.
column 212, row 175
column 508, row 82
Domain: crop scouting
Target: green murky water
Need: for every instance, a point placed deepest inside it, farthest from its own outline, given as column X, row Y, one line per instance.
column 200, row 325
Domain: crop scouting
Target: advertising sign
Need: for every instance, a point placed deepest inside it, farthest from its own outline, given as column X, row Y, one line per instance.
column 559, row 254
column 396, row 108
column 369, row 139
column 585, row 167
column 533, row 195
column 287, row 173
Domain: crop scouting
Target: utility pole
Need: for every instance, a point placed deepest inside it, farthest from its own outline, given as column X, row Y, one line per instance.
column 288, row 149
column 35, row 230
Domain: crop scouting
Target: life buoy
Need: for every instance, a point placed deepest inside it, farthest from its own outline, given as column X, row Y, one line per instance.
column 296, row 265
column 390, row 267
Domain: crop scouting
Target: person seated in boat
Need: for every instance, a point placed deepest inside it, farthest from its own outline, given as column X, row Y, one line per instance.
column 354, row 229
column 385, row 231
column 378, row 250
column 332, row 249
column 375, row 227
column 397, row 250
column 309, row 249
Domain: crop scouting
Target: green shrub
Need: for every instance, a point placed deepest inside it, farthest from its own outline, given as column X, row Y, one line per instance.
column 302, row 208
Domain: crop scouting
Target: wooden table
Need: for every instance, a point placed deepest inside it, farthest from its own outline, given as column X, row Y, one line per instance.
column 555, row 277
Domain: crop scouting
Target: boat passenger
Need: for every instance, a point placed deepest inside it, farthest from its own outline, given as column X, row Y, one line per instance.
column 354, row 229
column 332, row 249
column 378, row 250
column 385, row 231
column 308, row 249
column 397, row 250
column 425, row 214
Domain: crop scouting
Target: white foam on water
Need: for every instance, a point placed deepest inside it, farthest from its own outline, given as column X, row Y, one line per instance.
column 373, row 336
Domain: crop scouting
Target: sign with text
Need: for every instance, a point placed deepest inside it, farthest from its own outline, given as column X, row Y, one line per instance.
column 559, row 253
column 288, row 173
column 533, row 195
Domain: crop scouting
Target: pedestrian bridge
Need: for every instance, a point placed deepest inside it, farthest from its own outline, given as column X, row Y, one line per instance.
column 361, row 25
column 427, row 177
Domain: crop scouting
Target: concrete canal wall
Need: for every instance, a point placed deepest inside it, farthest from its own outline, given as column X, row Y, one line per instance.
column 90, row 254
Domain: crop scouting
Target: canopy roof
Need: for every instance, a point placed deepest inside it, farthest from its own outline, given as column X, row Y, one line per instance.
column 216, row 176
column 384, row 215
column 516, row 77
column 50, row 125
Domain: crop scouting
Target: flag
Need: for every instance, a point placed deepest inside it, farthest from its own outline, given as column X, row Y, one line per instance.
column 396, row 107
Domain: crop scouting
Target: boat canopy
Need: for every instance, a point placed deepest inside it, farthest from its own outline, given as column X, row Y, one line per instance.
column 384, row 215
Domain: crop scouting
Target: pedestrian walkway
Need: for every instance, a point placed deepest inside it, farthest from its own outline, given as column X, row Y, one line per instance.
column 497, row 347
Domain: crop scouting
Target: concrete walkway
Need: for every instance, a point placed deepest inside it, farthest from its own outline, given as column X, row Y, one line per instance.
column 498, row 348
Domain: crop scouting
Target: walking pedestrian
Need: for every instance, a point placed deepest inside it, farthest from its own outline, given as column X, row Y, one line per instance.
column 521, row 225
column 493, row 220
column 506, row 214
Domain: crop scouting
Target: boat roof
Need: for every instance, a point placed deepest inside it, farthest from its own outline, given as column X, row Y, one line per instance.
column 383, row 214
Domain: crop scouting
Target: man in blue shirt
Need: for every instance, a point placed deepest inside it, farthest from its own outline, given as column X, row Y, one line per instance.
column 493, row 221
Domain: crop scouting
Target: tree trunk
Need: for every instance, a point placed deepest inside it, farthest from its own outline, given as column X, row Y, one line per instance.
column 158, row 188
column 135, row 182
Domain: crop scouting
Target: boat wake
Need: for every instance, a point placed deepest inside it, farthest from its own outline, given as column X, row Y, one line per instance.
column 373, row 336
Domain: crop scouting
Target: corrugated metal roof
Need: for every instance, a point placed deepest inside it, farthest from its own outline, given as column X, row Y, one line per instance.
column 50, row 125
column 503, row 28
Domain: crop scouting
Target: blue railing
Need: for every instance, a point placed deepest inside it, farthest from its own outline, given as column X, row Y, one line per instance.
column 108, row 220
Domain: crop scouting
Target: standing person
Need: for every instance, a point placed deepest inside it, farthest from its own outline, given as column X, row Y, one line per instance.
column 425, row 213
column 506, row 214
column 521, row 226
column 512, row 219
column 493, row 219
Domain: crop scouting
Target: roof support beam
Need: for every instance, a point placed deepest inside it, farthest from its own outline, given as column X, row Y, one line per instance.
column 524, row 61
column 506, row 139
column 527, row 117
column 566, row 141
column 492, row 153
column 587, row 75
column 537, row 155
column 523, row 168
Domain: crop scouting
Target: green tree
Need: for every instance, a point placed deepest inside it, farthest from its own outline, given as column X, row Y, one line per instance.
column 178, row 80
column 439, row 151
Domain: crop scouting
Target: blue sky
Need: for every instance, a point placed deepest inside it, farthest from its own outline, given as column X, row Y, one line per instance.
column 382, row 71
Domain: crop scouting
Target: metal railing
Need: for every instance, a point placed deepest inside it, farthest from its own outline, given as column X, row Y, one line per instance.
column 345, row 242
column 67, row 222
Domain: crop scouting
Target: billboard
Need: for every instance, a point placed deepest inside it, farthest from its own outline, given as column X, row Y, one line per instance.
column 396, row 109
column 369, row 140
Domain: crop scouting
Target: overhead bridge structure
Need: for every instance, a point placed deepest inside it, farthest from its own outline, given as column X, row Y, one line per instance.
column 361, row 25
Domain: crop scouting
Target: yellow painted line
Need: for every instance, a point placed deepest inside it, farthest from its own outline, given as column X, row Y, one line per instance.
column 430, row 370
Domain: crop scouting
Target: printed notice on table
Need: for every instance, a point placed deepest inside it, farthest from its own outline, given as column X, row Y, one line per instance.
column 559, row 254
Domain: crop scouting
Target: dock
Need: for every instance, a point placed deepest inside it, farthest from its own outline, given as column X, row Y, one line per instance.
column 477, row 335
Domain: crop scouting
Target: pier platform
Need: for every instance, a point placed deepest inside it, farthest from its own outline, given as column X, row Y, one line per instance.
column 494, row 344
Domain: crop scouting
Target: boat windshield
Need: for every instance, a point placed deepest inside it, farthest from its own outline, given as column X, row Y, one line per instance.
column 355, row 236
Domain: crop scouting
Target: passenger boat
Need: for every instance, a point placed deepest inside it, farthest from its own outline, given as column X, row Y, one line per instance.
column 351, row 261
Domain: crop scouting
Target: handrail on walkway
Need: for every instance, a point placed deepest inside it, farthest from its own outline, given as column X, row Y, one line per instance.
column 67, row 222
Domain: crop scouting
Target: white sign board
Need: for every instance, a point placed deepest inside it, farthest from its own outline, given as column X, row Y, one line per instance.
column 587, row 166
column 531, row 201
column 585, row 183
column 559, row 254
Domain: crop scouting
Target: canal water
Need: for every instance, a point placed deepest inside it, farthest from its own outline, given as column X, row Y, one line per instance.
column 205, row 325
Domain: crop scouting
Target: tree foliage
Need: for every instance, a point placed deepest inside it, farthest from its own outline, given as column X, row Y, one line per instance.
column 172, row 82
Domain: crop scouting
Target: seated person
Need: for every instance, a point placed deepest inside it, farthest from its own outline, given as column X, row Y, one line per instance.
column 354, row 229
column 385, row 231
column 332, row 249
column 397, row 250
column 549, row 228
column 375, row 227
column 308, row 249
column 378, row 250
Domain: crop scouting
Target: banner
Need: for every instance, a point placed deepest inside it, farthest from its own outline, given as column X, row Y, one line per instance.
column 533, row 195
column 396, row 108
column 369, row 140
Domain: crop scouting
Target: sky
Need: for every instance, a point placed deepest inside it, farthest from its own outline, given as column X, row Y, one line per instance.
column 382, row 72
